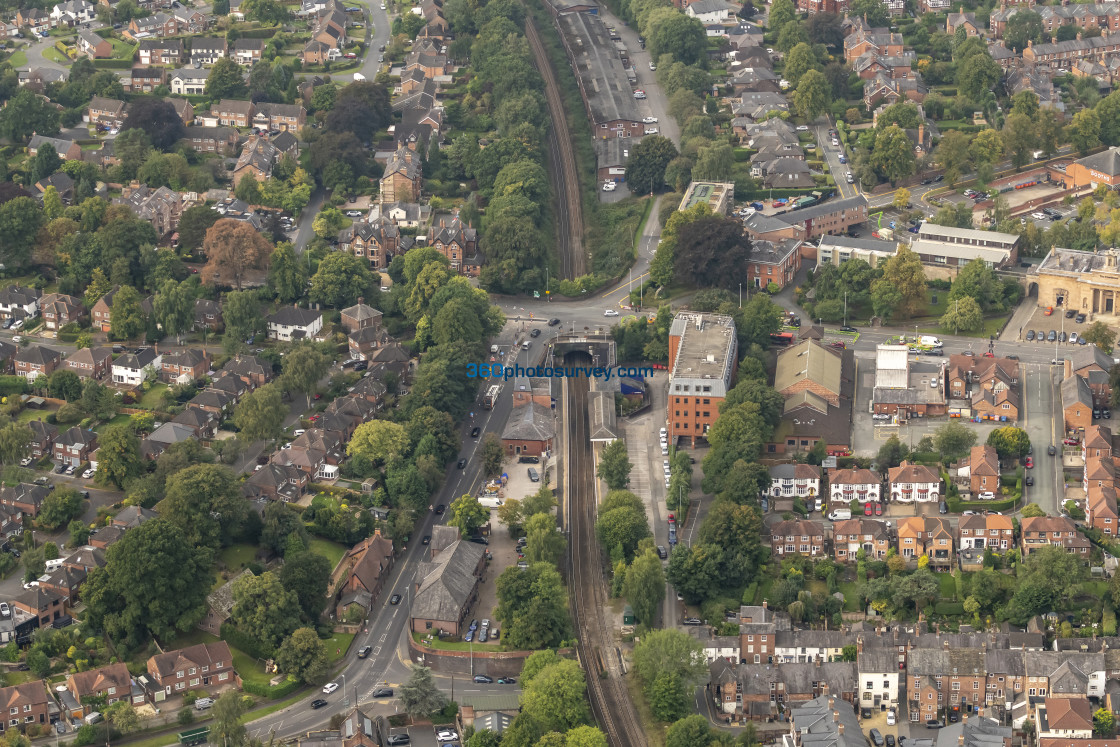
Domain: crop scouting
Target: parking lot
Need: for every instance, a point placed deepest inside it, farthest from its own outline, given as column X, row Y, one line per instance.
column 1059, row 321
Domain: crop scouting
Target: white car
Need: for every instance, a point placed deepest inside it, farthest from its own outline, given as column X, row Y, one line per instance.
column 850, row 179
column 651, row 130
column 639, row 94
column 652, row 66
column 802, row 128
column 650, row 120
column 664, row 450
column 446, row 735
column 987, row 495
column 890, row 718
column 329, row 688
column 609, row 186
column 610, row 312
column 664, row 433
column 1073, row 338
column 17, row 339
column 87, row 474
column 1038, row 216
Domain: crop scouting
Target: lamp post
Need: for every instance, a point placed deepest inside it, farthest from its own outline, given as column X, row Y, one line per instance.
column 345, row 697
column 740, row 295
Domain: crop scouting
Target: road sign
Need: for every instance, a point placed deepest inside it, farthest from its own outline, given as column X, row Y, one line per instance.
column 829, row 462
column 536, row 294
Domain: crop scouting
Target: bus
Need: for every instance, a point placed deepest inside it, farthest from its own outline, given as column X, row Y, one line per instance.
column 781, row 338
column 491, row 397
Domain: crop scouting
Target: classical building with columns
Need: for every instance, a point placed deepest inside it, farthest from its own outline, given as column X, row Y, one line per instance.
column 1088, row 282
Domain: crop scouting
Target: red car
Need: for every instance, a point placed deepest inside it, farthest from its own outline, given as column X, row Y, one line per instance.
column 1029, row 463
column 867, row 510
column 878, row 509
column 1070, row 441
column 672, row 519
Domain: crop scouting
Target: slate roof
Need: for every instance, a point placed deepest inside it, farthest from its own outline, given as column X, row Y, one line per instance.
column 529, row 422
column 448, row 582
column 293, row 316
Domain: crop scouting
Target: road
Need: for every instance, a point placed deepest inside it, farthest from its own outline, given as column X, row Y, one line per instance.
column 832, row 158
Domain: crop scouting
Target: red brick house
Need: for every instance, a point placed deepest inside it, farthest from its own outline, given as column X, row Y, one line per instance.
column 26, row 703
column 43, row 435
column 36, row 360
column 111, row 682
column 192, row 363
column 24, row 497
column 59, row 310
column 74, row 446
column 797, row 537
column 1043, row 531
column 368, row 563
column 103, row 309
column 208, row 665
column 90, row 363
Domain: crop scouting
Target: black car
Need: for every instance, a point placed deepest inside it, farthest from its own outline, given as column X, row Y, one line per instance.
column 395, row 740
column 461, row 463
column 535, row 333
column 1030, row 480
column 1051, row 450
column 482, row 679
column 1080, row 318
column 318, row 703
column 383, row 692
column 1061, row 336
column 363, row 652
column 662, row 552
column 865, row 713
column 926, row 181
column 1096, row 413
column 395, row 599
column 427, row 540
column 934, row 724
column 440, row 508
column 1041, row 335
column 890, row 740
column 553, row 322
column 1106, row 414
column 1011, row 357
column 507, row 680
column 1070, row 313
column 1052, row 336
column 847, row 328
column 478, row 540
column 939, row 178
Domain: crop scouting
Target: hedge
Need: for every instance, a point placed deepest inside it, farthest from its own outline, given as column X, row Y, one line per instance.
column 259, row 33
column 68, row 336
column 271, row 691
column 956, row 505
column 12, row 385
column 237, row 639
column 113, row 64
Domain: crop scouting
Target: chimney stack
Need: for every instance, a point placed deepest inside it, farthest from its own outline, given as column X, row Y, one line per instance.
column 960, row 741
column 835, row 714
column 840, row 729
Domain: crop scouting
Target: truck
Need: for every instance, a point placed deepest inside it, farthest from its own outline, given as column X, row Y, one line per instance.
column 883, row 233
column 199, row 735
column 807, row 200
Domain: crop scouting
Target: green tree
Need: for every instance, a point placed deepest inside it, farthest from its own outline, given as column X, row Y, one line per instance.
column 543, row 541
column 492, row 454
column 307, row 575
column 305, row 365
column 893, row 154
column 614, row 465
column 193, row 225
column 241, row 315
column 963, row 315
column 59, row 507
column 329, row 222
column 623, row 526
column 987, row 147
column 26, row 113
column 556, row 697
column 799, row 61
column 791, row 35
column 259, row 416
column 644, row 586
column 341, row 280
column 119, row 459
column 905, row 273
column 225, row 80
column 419, row 697
column 954, row 156
column 873, row 10
column 954, row 440
column 226, row 728
column 286, row 274
column 977, row 75
column 1099, row 334
column 668, row 663
column 127, row 316
column 813, row 95
column 1010, row 442
column 123, row 716
column 689, row 732
column 781, row 13
column 205, row 502
column 1032, row 510
column 1084, row 132
column 149, row 585
column 1104, row 723
column 264, row 610
column 79, row 533
column 303, row 656
column 378, row 441
column 468, row 514
column 65, row 384
column 645, row 169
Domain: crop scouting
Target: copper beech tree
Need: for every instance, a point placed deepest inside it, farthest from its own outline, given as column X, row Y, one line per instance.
column 232, row 247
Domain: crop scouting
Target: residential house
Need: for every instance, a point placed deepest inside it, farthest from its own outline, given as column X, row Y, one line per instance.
column 282, row 117
column 74, row 446
column 933, row 537
column 156, row 24
column 1063, row 718
column 457, row 242
column 26, row 703
column 144, row 79
column 530, row 430
column 853, row 535
column 803, row 537
column 183, row 108
column 233, row 113
column 446, row 588
column 253, row 371
column 90, row 363
column 24, row 497
column 1044, row 531
column 981, row 531
column 36, row 360
column 19, row 302
column 93, row 46
column 1100, row 511
column 847, row 485
column 247, row 51
column 131, row 517
column 277, row 482
column 216, row 402
column 293, row 323
column 967, row 21
column 162, row 52
column 710, row 11
column 107, row 112
column 43, row 435
column 161, row 207
column 982, row 471
column 257, row 158
column 184, row 366
column 133, row 369
column 220, row 140
column 37, row 19
column 219, row 604
column 378, row 241
column 108, row 684
column 103, row 311
column 914, row 483
column 67, row 150
column 207, row 51
column 58, row 310
column 189, row 20
column 368, row 564
column 204, row 665
column 203, row 423
column 879, row 675
column 360, row 316
column 402, row 178
column 188, row 81
column 1077, row 404
column 790, row 480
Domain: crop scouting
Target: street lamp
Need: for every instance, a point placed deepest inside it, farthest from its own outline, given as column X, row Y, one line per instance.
column 345, row 697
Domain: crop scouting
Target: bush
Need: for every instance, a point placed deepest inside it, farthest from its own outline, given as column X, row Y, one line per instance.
column 86, row 734
column 267, row 691
column 186, row 716
column 237, row 639
column 12, row 385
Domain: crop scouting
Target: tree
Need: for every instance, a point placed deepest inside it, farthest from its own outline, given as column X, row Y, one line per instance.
column 119, row 458
column 468, row 514
column 341, row 280
column 680, row 36
column 305, row 365
column 241, row 315
column 65, row 384
column 1021, row 28
column 307, row 575
column 905, row 274
column 1032, row 510
column 126, row 316
column 668, row 663
column 644, row 586
column 624, row 527
column 813, row 95
column 20, row 220
column 1010, row 442
column 963, row 315
column 543, row 543
column 689, row 732
column 286, row 275
column 532, row 606
column 158, row 118
column 248, row 190
column 378, row 441
column 893, row 155
column 59, row 507
column 781, row 13
column 712, row 253
column 123, row 716
column 361, row 108
column 303, row 656
column 987, row 147
column 233, row 247
column 492, row 454
column 556, row 697
column 173, row 307
column 1101, row 335
column 268, row 12
column 645, row 169
column 205, row 502
column 614, row 465
column 1084, row 132
column 585, row 736
column 977, row 75
column 800, row 60
column 225, row 80
column 98, row 401
column 1104, row 723
column 791, row 35
column 873, row 10
column 26, row 114
column 259, row 416
column 954, row 156
column 954, row 440
column 44, row 163
column 1020, row 138
column 824, row 28
column 901, row 198
column 79, row 533
column 419, row 697
column 193, row 225
column 227, row 729
column 264, row 610
column 329, row 222
column 149, row 585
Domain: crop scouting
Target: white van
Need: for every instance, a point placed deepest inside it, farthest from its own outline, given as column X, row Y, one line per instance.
column 929, row 340
column 92, row 718
column 840, row 514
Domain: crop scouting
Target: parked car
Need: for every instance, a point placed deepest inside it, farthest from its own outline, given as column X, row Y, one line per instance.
column 396, row 740
column 1080, row 318
column 1030, row 335
column 877, row 738
column 481, row 679
column 446, row 735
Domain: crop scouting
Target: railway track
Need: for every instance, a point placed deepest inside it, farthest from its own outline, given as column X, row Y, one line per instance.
column 562, row 161
column 610, row 700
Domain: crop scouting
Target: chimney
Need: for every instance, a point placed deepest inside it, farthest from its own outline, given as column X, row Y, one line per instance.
column 1078, row 36
column 765, row 606
column 960, row 741
column 835, row 714
column 817, row 661
column 921, row 132
column 840, row 729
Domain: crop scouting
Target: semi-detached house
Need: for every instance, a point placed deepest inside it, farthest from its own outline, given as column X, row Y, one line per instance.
column 205, row 665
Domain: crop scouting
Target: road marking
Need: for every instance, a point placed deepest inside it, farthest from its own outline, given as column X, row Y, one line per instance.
column 382, row 638
column 377, row 651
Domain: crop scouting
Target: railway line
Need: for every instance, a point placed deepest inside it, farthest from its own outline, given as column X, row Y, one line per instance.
column 562, row 162
column 610, row 700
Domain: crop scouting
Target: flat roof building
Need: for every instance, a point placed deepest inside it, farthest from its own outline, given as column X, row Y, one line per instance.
column 717, row 195
column 836, row 250
column 952, row 248
column 703, row 358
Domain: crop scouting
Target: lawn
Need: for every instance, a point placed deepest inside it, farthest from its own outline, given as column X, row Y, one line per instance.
column 26, row 415
column 948, row 586
column 236, row 557
column 122, row 50
column 18, row 58
column 54, row 55
column 332, row 551
column 851, row 595
column 121, row 419
column 153, row 398
column 448, row 645
column 337, row 645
